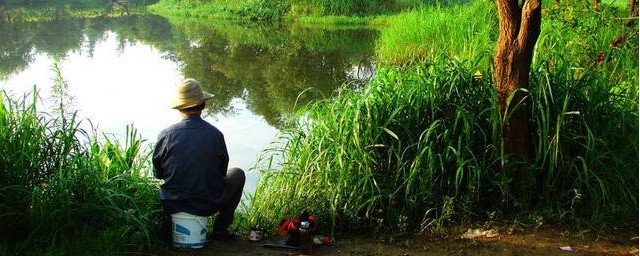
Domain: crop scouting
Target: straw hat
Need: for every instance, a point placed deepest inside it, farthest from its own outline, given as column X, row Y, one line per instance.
column 189, row 94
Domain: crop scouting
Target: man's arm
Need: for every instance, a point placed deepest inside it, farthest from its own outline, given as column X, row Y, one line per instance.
column 157, row 158
column 224, row 158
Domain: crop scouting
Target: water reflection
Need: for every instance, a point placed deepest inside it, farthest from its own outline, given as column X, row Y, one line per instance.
column 267, row 65
column 123, row 70
column 270, row 66
column 20, row 42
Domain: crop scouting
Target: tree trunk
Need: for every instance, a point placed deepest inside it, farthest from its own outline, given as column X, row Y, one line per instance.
column 519, row 31
column 595, row 4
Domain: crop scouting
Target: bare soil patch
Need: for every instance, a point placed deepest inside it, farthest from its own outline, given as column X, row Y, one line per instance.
column 548, row 241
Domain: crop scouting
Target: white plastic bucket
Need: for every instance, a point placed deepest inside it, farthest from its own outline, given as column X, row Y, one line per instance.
column 189, row 231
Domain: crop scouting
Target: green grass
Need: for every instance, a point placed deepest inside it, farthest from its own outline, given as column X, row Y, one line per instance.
column 421, row 143
column 418, row 145
column 416, row 149
column 250, row 9
column 61, row 12
column 65, row 191
column 339, row 21
column 461, row 31
column 315, row 11
column 358, row 160
column 604, row 92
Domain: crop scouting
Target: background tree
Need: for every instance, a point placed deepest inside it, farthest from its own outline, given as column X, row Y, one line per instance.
column 519, row 30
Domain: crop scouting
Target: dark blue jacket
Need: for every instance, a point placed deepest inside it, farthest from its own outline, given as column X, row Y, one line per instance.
column 192, row 159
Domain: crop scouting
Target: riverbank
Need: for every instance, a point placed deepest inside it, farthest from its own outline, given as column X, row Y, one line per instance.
column 321, row 12
column 482, row 242
column 418, row 145
column 42, row 11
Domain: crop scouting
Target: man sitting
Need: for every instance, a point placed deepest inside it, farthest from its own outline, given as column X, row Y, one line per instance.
column 191, row 157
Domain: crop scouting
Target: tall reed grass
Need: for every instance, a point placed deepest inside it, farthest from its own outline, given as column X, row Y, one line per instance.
column 462, row 31
column 420, row 145
column 390, row 154
column 65, row 191
column 596, row 83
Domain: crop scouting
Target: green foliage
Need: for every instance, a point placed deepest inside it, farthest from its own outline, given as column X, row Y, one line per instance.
column 575, row 33
column 46, row 10
column 418, row 144
column 249, row 9
column 65, row 192
column 587, row 146
column 75, row 4
column 599, row 77
column 462, row 31
column 339, row 7
column 343, row 22
column 276, row 10
column 385, row 155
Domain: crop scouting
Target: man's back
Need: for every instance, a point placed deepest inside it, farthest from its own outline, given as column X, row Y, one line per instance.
column 191, row 156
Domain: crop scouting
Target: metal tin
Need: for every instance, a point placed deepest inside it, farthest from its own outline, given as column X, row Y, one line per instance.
column 255, row 235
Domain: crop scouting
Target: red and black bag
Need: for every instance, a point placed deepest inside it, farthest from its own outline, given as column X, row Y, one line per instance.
column 292, row 228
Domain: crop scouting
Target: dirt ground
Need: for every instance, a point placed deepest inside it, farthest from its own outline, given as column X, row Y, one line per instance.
column 496, row 241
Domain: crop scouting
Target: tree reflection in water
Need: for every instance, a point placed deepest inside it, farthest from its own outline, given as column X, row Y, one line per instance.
column 273, row 68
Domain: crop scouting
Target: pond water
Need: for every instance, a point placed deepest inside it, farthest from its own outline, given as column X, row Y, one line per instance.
column 122, row 71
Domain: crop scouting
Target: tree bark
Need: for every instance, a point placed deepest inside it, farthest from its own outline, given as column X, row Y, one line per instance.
column 519, row 32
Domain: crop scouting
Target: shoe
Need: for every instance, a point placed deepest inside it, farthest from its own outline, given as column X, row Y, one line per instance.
column 222, row 235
